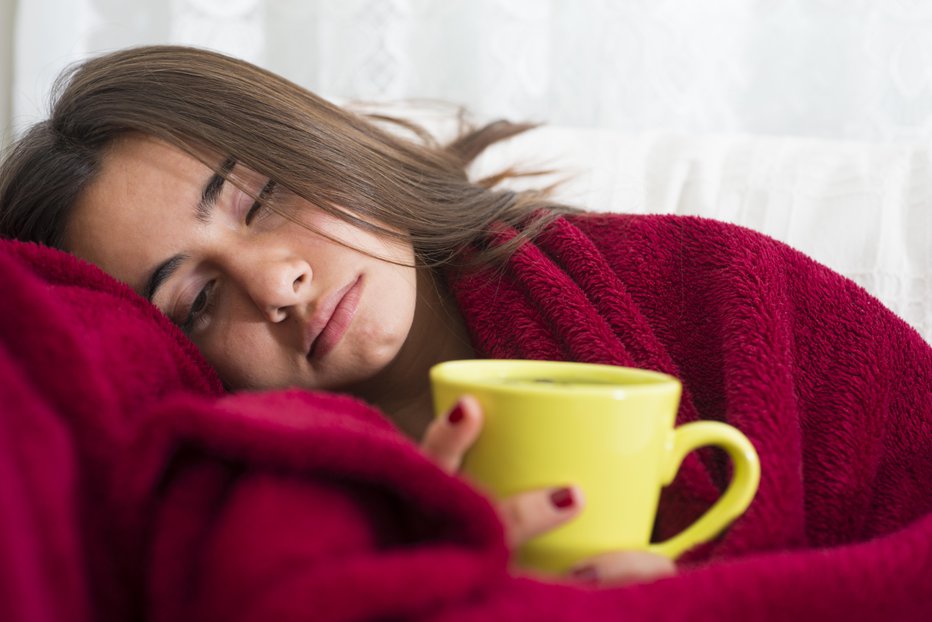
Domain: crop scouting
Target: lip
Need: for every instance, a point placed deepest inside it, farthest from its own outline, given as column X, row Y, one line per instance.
column 331, row 321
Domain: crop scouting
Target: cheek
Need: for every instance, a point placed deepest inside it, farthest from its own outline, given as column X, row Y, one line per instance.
column 389, row 315
column 402, row 296
column 243, row 359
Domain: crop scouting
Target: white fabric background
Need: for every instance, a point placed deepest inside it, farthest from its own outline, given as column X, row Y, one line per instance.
column 810, row 120
column 858, row 69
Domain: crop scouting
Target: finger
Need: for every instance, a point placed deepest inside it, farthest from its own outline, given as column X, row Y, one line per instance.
column 449, row 437
column 530, row 514
column 624, row 568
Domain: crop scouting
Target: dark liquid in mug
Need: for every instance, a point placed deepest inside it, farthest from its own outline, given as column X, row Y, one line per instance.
column 560, row 382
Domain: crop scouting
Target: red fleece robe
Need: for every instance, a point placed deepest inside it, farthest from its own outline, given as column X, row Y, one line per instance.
column 132, row 488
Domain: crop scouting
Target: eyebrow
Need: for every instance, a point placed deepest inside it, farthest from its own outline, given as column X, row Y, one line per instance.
column 203, row 210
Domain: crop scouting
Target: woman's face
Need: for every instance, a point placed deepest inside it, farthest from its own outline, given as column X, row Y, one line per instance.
column 270, row 303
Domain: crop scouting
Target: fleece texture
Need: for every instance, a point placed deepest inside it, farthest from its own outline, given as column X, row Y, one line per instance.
column 133, row 487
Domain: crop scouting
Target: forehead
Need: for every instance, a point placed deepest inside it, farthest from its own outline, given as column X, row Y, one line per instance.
column 133, row 214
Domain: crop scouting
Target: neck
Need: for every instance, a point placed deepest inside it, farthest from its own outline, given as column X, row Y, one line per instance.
column 438, row 334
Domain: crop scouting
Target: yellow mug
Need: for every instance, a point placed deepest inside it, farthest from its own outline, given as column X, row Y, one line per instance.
column 609, row 430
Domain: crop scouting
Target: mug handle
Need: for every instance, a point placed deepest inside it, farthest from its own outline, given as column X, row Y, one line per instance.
column 736, row 498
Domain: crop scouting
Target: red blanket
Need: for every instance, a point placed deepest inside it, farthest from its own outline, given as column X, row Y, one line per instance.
column 133, row 488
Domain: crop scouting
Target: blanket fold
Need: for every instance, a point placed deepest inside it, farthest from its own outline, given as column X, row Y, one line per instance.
column 133, row 487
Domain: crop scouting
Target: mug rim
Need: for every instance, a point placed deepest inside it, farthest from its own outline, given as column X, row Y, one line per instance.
column 641, row 380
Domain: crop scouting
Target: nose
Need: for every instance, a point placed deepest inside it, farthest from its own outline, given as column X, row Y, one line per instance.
column 276, row 284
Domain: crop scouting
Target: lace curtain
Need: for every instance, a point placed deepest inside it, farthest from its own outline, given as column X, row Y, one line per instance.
column 858, row 69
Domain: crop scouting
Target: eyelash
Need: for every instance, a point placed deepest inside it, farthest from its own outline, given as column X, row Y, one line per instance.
column 198, row 312
column 262, row 201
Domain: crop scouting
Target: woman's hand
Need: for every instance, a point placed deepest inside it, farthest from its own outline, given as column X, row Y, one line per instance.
column 533, row 513
column 525, row 515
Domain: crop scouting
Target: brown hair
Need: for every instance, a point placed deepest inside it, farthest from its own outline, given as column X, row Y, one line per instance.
column 325, row 154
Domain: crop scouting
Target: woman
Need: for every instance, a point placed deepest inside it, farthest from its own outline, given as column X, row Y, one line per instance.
column 298, row 244
column 256, row 216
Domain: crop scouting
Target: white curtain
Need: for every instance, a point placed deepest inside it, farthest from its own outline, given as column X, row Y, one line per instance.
column 858, row 69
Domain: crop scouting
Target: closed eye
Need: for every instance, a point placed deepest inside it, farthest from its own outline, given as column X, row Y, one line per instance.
column 200, row 309
column 262, row 201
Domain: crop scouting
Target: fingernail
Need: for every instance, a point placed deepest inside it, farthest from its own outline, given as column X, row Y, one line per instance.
column 585, row 574
column 562, row 498
column 456, row 415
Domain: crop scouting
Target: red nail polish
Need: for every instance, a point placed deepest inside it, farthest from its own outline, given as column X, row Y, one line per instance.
column 585, row 574
column 562, row 498
column 456, row 415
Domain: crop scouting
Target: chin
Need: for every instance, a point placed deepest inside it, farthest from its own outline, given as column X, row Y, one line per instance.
column 365, row 375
